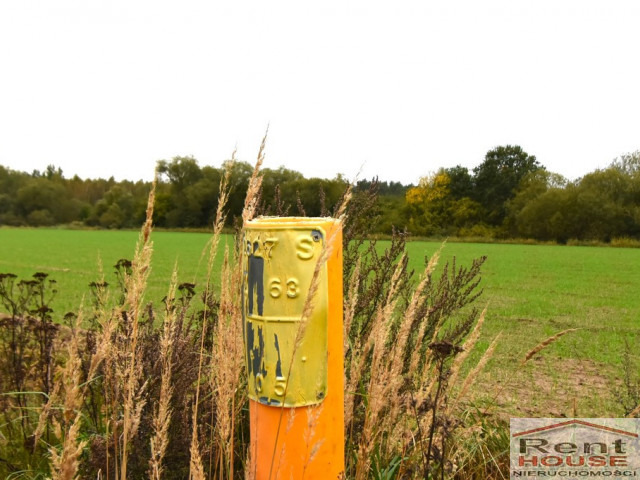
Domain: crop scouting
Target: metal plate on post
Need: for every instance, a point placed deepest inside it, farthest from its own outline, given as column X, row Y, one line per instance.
column 286, row 358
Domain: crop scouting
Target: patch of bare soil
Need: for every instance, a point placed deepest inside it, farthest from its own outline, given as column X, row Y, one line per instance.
column 544, row 388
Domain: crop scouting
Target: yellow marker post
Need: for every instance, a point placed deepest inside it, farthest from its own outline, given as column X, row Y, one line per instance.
column 294, row 370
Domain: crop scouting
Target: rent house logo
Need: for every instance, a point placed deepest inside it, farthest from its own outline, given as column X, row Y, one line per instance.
column 575, row 448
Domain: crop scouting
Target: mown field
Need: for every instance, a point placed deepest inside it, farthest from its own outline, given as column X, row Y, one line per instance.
column 531, row 293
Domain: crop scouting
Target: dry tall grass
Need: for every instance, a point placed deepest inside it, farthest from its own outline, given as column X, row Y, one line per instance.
column 407, row 343
column 399, row 377
column 64, row 464
column 120, row 355
column 224, row 367
column 162, row 417
column 131, row 352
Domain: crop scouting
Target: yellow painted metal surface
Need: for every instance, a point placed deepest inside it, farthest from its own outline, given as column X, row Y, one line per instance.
column 286, row 360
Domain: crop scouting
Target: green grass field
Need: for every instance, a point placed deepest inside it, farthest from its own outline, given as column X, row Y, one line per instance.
column 531, row 292
column 72, row 257
column 534, row 291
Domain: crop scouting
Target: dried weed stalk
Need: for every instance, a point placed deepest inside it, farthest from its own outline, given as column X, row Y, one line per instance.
column 545, row 343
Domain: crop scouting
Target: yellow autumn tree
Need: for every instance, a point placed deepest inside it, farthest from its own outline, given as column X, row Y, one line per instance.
column 428, row 204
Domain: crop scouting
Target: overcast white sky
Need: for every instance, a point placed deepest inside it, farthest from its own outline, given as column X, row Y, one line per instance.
column 109, row 87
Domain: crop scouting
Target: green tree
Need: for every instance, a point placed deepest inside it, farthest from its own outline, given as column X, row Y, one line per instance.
column 238, row 183
column 10, row 182
column 533, row 185
column 461, row 182
column 606, row 202
column 600, row 206
column 628, row 163
column 181, row 171
column 184, row 206
column 116, row 209
column 550, row 216
column 286, row 182
column 464, row 215
column 48, row 198
column 498, row 176
column 316, row 196
column 53, row 173
column 392, row 213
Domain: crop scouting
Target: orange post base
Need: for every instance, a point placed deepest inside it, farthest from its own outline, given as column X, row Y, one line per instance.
column 310, row 444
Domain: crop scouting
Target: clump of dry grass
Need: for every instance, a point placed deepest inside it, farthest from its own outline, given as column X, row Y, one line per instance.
column 70, row 389
column 196, row 464
column 64, row 465
column 117, row 354
column 130, row 350
column 227, row 364
column 406, row 344
column 162, row 416
column 377, row 391
column 350, row 305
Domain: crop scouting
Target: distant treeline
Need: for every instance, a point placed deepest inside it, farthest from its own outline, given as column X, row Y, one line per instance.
column 509, row 195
